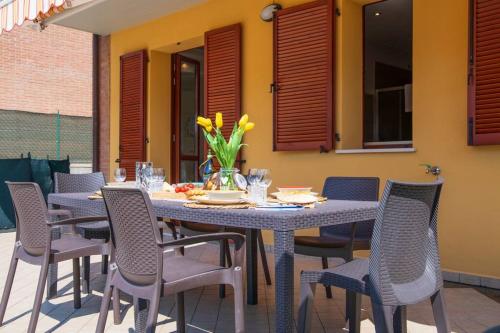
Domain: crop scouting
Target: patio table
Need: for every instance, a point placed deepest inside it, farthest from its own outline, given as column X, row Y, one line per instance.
column 283, row 224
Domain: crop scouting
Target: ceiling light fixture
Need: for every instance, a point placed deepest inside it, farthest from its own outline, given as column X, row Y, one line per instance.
column 378, row 13
column 267, row 12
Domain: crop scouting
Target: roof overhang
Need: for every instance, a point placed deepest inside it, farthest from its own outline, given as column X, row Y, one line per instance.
column 104, row 17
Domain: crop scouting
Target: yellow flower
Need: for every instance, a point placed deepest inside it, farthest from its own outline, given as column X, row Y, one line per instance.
column 218, row 120
column 208, row 128
column 204, row 122
column 243, row 121
column 249, row 126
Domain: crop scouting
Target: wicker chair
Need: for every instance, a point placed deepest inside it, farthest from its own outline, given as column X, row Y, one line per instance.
column 90, row 182
column 403, row 267
column 198, row 229
column 339, row 241
column 35, row 245
column 141, row 269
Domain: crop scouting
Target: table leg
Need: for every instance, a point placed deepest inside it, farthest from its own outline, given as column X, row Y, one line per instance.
column 284, row 261
column 140, row 314
column 251, row 262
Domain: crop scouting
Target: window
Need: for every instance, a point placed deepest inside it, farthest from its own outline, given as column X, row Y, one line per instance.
column 387, row 83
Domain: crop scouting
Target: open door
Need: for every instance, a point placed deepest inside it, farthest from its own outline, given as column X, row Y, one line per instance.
column 186, row 108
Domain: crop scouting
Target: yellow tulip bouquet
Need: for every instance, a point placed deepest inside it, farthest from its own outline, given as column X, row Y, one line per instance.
column 225, row 151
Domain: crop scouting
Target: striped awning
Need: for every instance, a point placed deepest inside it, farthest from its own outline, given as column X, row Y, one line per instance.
column 15, row 12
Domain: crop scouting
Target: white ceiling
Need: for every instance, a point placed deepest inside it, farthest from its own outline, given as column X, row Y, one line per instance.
column 103, row 17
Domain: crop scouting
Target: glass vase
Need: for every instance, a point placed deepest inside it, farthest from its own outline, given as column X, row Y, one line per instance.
column 226, row 179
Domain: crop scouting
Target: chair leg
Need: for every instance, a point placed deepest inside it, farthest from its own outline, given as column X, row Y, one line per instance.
column 328, row 289
column 8, row 286
column 383, row 317
column 117, row 319
column 307, row 291
column 263, row 257
column 154, row 305
column 77, row 301
column 227, row 250
column 86, row 275
column 35, row 313
column 181, row 319
column 399, row 320
column 104, row 264
column 222, row 262
column 239, row 301
column 103, row 313
column 439, row 310
column 353, row 311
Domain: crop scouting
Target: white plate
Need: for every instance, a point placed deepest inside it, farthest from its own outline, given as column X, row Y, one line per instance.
column 301, row 199
column 275, row 194
column 225, row 195
column 205, row 200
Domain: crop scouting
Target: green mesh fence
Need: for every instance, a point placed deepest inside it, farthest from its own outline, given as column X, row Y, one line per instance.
column 45, row 135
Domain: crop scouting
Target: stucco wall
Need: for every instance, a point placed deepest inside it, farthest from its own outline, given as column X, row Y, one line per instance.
column 469, row 222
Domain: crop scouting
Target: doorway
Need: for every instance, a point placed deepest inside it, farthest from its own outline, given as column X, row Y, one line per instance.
column 187, row 105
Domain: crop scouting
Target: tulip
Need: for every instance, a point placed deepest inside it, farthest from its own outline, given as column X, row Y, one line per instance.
column 249, row 126
column 205, row 122
column 209, row 128
column 243, row 121
column 218, row 120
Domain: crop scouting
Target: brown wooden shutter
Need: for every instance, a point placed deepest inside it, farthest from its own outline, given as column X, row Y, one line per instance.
column 303, row 77
column 223, row 75
column 133, row 78
column 484, row 73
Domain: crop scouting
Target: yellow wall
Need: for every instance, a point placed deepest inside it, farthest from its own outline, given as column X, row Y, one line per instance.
column 159, row 90
column 470, row 210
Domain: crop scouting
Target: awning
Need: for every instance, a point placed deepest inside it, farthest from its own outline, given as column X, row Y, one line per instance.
column 15, row 12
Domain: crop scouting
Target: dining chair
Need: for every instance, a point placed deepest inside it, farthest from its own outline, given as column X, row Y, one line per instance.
column 35, row 244
column 403, row 267
column 89, row 182
column 196, row 229
column 340, row 241
column 79, row 183
column 140, row 267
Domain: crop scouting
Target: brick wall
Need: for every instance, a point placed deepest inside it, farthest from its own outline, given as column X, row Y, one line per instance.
column 46, row 72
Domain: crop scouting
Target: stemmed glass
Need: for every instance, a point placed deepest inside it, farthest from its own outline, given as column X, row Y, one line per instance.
column 264, row 183
column 254, row 176
column 120, row 175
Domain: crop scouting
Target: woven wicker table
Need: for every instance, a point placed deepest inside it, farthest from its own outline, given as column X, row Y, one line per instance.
column 283, row 224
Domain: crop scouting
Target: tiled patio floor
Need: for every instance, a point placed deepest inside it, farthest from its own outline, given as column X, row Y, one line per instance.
column 469, row 309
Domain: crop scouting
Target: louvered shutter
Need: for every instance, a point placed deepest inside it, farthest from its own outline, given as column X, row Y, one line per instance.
column 303, row 77
column 133, row 72
column 484, row 73
column 223, row 75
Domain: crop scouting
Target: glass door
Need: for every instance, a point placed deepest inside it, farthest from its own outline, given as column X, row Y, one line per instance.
column 186, row 143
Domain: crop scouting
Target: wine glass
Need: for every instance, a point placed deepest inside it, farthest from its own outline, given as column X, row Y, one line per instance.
column 120, row 175
column 254, row 176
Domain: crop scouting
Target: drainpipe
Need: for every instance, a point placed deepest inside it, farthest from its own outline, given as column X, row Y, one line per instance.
column 58, row 135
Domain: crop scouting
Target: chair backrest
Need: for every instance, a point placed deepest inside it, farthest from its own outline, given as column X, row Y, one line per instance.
column 350, row 188
column 31, row 215
column 404, row 259
column 134, row 233
column 74, row 183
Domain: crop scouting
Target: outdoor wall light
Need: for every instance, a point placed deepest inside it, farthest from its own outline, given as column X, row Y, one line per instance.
column 267, row 12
